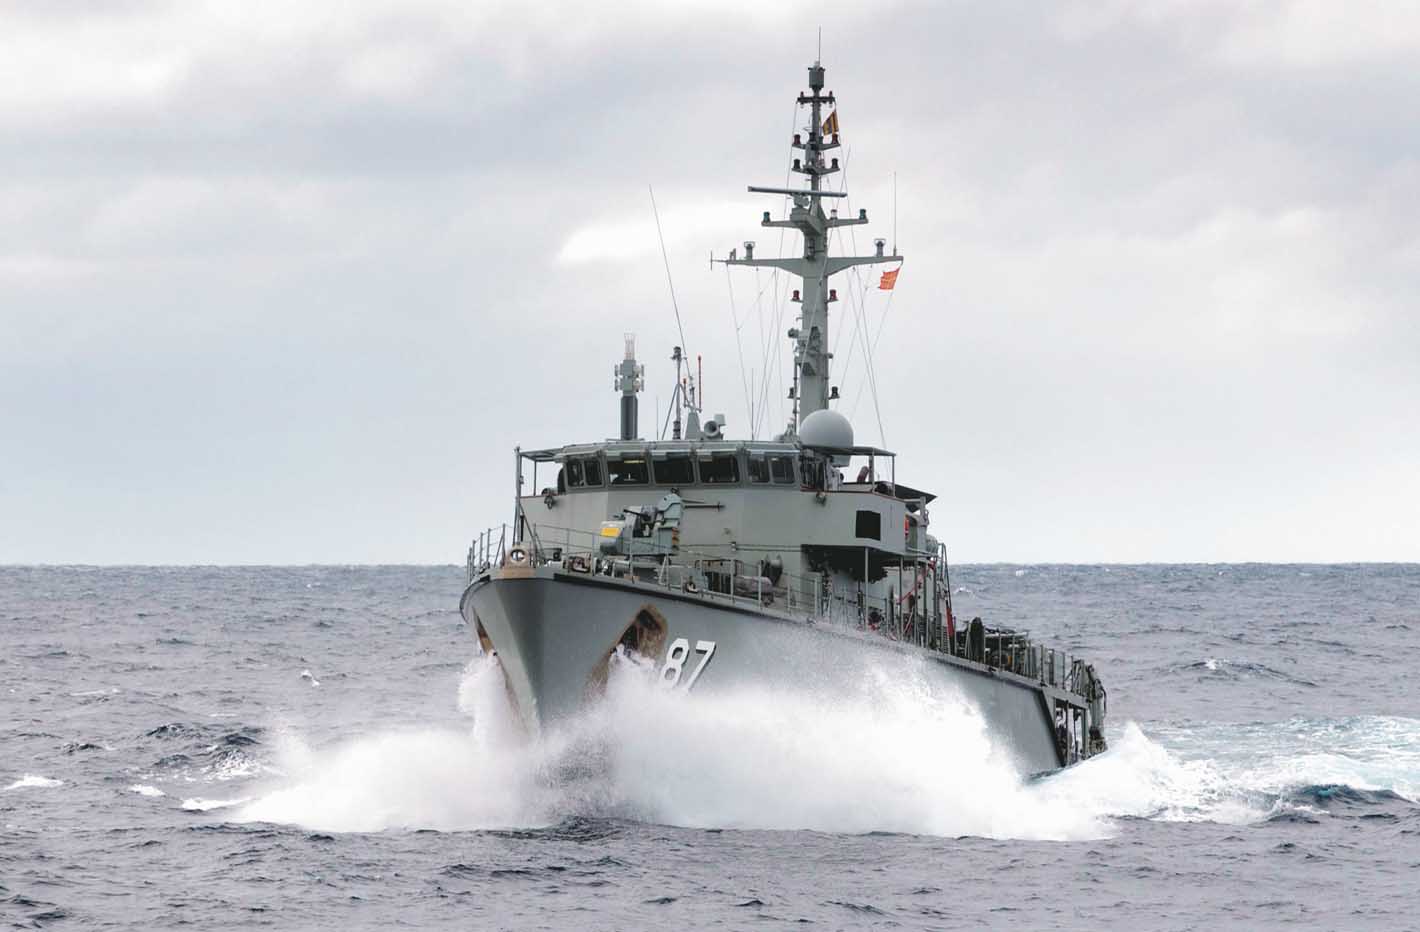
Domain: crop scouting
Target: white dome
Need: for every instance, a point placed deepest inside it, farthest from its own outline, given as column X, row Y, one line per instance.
column 826, row 428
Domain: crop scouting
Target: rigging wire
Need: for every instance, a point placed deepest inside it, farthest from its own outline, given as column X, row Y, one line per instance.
column 873, row 382
column 859, row 284
column 778, row 358
column 770, row 361
column 675, row 396
column 848, row 206
column 666, row 259
column 739, row 348
column 858, row 299
column 861, row 300
column 781, row 302
column 882, row 320
column 757, row 400
column 874, row 347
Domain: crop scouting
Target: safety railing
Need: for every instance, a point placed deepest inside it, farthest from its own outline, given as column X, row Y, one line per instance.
column 488, row 551
column 720, row 573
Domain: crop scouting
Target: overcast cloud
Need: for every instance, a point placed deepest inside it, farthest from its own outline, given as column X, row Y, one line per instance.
column 286, row 282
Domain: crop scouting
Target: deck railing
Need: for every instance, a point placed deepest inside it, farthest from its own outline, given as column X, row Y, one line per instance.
column 918, row 616
column 488, row 551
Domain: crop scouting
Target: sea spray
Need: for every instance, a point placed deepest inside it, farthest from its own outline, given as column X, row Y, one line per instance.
column 880, row 748
column 1268, row 762
column 1139, row 778
column 480, row 777
column 889, row 751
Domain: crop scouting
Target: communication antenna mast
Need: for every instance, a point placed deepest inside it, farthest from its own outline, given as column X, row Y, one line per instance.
column 812, row 389
column 630, row 379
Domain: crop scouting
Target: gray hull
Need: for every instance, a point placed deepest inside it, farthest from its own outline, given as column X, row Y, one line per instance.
column 553, row 632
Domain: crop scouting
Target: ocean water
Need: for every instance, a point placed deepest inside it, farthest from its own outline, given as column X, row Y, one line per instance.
column 321, row 748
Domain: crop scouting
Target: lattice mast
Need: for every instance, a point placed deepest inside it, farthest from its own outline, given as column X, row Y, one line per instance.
column 813, row 390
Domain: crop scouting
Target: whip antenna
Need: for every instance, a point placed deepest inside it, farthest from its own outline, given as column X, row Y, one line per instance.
column 666, row 259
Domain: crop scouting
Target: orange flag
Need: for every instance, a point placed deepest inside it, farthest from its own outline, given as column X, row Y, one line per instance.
column 889, row 279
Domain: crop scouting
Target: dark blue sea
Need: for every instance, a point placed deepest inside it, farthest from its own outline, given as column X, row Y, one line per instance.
column 320, row 748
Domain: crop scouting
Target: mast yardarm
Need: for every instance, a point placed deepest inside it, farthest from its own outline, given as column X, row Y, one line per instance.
column 815, row 266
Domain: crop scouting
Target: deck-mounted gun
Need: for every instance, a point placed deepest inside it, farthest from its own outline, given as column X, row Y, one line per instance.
column 644, row 530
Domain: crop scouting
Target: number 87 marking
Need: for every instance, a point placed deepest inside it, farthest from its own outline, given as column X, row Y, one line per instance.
column 674, row 666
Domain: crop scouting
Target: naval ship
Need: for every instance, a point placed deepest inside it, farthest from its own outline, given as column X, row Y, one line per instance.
column 723, row 562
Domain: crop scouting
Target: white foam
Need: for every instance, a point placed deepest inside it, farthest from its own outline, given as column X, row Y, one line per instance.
column 1366, row 753
column 1247, row 772
column 236, row 767
column 143, row 789
column 418, row 778
column 1139, row 778
column 884, row 749
column 199, row 804
column 894, row 752
column 30, row 780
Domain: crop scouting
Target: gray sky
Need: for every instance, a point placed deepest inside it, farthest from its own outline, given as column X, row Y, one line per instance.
column 286, row 282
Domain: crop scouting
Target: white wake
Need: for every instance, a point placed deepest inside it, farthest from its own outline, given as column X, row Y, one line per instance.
column 892, row 750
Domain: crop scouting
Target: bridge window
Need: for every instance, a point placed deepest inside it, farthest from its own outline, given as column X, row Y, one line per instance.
column 869, row 525
column 676, row 469
column 627, row 470
column 720, row 469
column 574, row 474
column 592, row 470
column 758, row 468
column 782, row 469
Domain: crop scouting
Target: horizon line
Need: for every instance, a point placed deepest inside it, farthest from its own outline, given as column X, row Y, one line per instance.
column 1040, row 563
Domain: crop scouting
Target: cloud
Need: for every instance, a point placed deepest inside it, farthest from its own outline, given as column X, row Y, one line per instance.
column 1288, row 33
column 1310, row 33
column 634, row 235
column 289, row 282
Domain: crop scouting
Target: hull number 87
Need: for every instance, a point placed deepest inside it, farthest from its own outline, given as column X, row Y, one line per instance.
column 673, row 669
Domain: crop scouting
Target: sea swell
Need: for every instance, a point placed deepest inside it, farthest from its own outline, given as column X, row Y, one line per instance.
column 152, row 784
